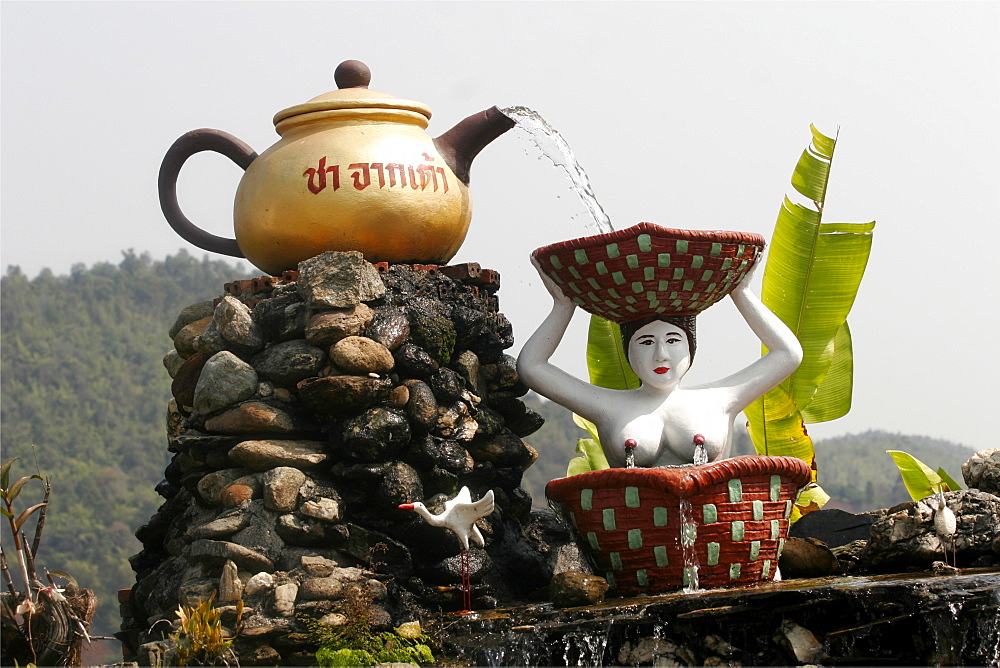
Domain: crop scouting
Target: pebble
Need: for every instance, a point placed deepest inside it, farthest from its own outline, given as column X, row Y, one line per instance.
column 281, row 488
column 172, row 361
column 360, row 355
column 376, row 435
column 232, row 328
column 328, row 510
column 982, row 471
column 328, row 327
column 338, row 280
column 185, row 339
column 224, row 380
column 336, row 395
column 219, row 551
column 284, row 599
column 390, row 327
column 191, row 314
column 249, row 417
column 289, row 362
column 266, row 454
column 573, row 589
column 315, row 589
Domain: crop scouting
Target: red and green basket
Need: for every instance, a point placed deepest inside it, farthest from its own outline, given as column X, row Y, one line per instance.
column 646, row 529
column 649, row 270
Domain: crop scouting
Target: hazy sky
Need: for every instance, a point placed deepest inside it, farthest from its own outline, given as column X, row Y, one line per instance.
column 684, row 114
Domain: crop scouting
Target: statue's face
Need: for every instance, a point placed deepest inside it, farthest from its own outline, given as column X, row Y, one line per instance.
column 659, row 354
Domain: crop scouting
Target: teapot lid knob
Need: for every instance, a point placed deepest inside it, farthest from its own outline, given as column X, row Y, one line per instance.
column 352, row 74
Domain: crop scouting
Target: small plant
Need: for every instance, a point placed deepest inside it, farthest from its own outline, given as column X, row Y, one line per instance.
column 40, row 625
column 201, row 639
column 921, row 480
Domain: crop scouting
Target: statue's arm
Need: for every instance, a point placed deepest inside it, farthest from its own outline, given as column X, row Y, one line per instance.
column 542, row 376
column 784, row 352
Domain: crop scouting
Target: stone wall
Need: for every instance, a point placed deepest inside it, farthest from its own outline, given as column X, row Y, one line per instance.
column 305, row 409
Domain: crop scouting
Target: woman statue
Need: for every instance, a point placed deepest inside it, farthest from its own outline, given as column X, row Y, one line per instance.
column 662, row 416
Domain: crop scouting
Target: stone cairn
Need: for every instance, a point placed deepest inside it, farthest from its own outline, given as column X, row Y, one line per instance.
column 305, row 409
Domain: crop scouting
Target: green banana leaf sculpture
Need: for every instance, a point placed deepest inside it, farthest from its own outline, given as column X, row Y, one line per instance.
column 810, row 281
column 921, row 480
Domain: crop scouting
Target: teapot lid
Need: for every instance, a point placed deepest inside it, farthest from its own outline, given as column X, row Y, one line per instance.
column 353, row 77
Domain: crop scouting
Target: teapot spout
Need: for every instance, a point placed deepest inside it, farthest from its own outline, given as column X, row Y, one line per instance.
column 460, row 145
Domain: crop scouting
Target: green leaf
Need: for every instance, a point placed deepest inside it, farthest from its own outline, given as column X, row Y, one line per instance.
column 5, row 473
column 948, row 480
column 592, row 453
column 810, row 281
column 23, row 517
column 920, row 480
column 605, row 357
column 15, row 489
column 588, row 426
column 813, row 497
column 832, row 398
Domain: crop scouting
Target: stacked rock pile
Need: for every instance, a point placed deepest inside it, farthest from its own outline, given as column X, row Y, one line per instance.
column 304, row 412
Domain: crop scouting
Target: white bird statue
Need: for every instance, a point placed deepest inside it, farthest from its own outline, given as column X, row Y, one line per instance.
column 945, row 525
column 460, row 515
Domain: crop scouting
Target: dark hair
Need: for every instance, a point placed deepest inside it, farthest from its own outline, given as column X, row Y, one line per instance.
column 685, row 322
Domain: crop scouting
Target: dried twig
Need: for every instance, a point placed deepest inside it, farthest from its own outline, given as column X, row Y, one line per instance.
column 6, row 572
column 29, row 559
column 41, row 519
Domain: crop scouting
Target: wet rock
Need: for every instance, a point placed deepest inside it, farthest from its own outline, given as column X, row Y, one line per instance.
column 339, row 395
column 571, row 589
column 282, row 318
column 289, row 362
column 375, row 548
column 336, row 280
column 446, row 385
column 378, row 434
column 328, row 327
column 422, row 407
column 185, row 341
column 467, row 366
column 217, row 552
column 455, row 422
column 185, row 379
column 400, row 484
column 503, row 449
column 254, row 416
column 390, row 326
column 232, row 328
column 520, row 419
column 361, row 355
column 429, row 451
column 807, row 558
column 263, row 455
column 225, row 380
column 189, row 314
column 281, row 488
column 469, row 325
column 982, row 471
column 799, row 641
column 449, row 569
column 414, row 362
column 433, row 332
column 502, row 375
column 645, row 651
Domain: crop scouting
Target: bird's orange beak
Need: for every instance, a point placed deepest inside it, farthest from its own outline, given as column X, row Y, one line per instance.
column 406, row 506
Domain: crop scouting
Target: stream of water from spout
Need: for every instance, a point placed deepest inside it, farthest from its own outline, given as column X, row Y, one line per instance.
column 557, row 150
column 689, row 534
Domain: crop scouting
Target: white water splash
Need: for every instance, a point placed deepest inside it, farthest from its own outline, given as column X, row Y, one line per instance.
column 689, row 534
column 700, row 454
column 557, row 150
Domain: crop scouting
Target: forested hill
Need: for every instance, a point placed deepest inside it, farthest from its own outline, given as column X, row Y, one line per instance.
column 82, row 381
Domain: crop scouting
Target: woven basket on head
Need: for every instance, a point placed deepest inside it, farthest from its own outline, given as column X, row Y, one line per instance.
column 648, row 270
column 653, row 530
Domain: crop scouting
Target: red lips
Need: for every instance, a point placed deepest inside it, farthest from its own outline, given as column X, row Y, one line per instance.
column 661, row 370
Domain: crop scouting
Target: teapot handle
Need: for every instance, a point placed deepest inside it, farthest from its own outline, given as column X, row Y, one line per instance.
column 182, row 149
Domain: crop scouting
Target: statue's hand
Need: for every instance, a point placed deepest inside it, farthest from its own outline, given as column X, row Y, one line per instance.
column 557, row 294
column 744, row 285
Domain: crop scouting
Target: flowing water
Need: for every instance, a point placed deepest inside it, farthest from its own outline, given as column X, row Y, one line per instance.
column 557, row 150
column 689, row 534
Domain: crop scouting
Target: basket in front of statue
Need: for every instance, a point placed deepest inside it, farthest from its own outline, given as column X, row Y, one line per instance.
column 648, row 270
column 657, row 529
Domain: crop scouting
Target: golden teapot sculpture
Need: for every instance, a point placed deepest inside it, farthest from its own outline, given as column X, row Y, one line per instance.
column 354, row 170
